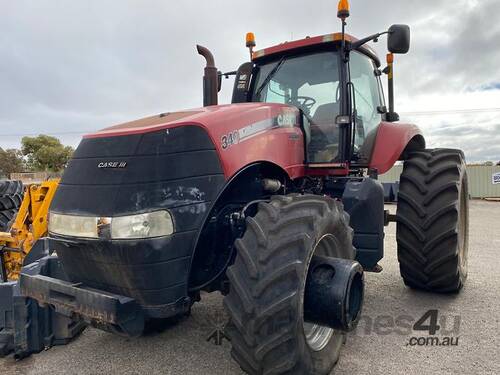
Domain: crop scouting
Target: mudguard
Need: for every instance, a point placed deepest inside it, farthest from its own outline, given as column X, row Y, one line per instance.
column 391, row 142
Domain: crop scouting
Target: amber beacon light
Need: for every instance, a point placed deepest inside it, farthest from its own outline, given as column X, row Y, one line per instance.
column 250, row 42
column 343, row 9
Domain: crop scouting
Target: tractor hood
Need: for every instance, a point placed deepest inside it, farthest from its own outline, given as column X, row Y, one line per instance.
column 239, row 133
column 172, row 159
column 215, row 119
column 177, row 162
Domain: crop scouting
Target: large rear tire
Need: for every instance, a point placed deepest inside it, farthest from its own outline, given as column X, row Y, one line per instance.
column 267, row 282
column 433, row 220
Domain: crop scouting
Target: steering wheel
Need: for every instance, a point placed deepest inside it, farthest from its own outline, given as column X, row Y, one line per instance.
column 307, row 102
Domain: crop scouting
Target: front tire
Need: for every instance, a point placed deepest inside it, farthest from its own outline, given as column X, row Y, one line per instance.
column 433, row 220
column 267, row 283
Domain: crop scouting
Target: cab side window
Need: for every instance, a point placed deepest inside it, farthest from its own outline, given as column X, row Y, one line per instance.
column 367, row 96
column 276, row 93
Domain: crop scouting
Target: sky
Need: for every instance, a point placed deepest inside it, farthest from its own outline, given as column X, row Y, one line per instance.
column 71, row 67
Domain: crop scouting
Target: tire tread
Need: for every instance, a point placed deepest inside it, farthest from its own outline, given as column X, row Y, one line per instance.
column 427, row 220
column 271, row 257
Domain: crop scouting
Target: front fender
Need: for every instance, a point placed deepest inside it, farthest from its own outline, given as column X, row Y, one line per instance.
column 391, row 142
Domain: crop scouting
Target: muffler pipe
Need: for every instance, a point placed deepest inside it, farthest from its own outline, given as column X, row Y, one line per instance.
column 210, row 77
column 334, row 293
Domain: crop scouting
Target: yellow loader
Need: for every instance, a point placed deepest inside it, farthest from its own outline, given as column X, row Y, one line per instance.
column 30, row 224
column 25, row 326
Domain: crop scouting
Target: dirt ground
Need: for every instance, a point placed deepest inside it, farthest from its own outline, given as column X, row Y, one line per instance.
column 384, row 343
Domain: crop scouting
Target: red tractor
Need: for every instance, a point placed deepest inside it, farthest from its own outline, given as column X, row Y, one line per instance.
column 272, row 200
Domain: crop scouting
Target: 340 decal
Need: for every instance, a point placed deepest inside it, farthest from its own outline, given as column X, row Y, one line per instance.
column 227, row 140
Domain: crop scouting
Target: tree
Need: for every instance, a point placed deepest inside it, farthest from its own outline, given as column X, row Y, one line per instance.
column 11, row 161
column 45, row 153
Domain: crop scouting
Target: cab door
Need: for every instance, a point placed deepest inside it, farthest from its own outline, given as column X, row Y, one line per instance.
column 368, row 102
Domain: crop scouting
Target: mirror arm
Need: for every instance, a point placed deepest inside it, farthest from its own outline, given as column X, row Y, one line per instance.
column 363, row 41
column 227, row 74
column 391, row 115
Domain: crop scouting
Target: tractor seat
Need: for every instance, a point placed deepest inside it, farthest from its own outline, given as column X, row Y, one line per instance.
column 323, row 147
column 326, row 113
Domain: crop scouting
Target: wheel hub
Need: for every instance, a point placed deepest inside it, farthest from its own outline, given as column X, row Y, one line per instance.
column 333, row 294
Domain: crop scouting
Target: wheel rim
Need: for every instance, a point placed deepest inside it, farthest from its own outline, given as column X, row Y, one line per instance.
column 463, row 229
column 317, row 336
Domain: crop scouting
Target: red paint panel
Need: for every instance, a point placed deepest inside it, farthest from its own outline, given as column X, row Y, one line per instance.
column 309, row 41
column 259, row 140
column 391, row 141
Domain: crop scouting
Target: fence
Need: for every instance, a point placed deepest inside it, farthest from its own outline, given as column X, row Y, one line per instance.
column 34, row 177
column 484, row 180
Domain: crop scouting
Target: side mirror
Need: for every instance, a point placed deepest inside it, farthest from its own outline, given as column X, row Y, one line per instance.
column 242, row 83
column 398, row 40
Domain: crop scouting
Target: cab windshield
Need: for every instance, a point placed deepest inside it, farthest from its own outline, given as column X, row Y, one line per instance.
column 311, row 83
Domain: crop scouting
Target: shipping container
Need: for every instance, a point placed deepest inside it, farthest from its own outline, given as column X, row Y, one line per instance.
column 484, row 180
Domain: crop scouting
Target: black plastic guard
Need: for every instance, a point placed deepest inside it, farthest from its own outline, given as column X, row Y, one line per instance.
column 44, row 281
column 364, row 201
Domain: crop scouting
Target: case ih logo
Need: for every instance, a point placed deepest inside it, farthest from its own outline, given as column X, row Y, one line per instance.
column 112, row 164
column 287, row 119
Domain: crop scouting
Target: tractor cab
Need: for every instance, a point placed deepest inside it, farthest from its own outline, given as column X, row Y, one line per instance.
column 333, row 79
column 308, row 74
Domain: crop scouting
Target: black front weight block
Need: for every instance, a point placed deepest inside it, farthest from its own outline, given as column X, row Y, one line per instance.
column 45, row 282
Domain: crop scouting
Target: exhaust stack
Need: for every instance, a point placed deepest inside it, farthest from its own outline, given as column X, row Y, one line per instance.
column 210, row 77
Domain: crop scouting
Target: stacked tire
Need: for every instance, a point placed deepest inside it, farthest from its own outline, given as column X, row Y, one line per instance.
column 11, row 196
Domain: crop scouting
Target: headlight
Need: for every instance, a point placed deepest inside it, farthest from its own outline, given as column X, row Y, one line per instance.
column 147, row 225
column 153, row 224
column 74, row 226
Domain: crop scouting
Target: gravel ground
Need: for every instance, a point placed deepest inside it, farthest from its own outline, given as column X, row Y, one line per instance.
column 183, row 349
